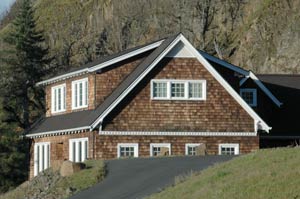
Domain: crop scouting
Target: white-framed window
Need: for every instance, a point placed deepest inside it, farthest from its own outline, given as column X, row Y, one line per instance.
column 249, row 95
column 80, row 93
column 78, row 149
column 157, row 148
column 165, row 89
column 229, row 149
column 41, row 157
column 191, row 148
column 128, row 150
column 58, row 98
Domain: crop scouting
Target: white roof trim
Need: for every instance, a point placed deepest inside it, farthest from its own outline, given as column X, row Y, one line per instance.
column 59, row 132
column 102, row 65
column 261, row 123
column 180, row 133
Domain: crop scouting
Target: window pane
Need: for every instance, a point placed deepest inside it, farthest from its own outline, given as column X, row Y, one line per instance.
column 80, row 94
column 86, row 93
column 160, row 89
column 75, row 96
column 177, row 90
column 79, row 152
column 227, row 150
column 191, row 150
column 127, row 151
column 248, row 96
column 195, row 90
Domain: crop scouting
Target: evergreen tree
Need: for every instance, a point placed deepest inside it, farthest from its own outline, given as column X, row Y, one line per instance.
column 25, row 63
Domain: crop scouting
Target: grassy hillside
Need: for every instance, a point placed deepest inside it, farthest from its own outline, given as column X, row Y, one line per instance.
column 272, row 173
column 50, row 184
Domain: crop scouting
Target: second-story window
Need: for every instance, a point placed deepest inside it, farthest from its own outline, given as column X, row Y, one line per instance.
column 58, row 98
column 249, row 95
column 80, row 93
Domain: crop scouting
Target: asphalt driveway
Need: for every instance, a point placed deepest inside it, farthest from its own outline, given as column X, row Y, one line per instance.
column 137, row 178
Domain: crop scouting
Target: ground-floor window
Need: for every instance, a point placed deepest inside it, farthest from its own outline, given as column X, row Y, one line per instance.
column 191, row 149
column 128, row 150
column 228, row 149
column 78, row 149
column 160, row 149
column 41, row 157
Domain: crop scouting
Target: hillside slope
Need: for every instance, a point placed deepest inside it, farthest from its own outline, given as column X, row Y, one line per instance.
column 271, row 173
column 262, row 35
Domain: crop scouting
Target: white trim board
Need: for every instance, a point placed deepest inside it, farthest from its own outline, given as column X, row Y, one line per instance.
column 260, row 123
column 102, row 65
column 134, row 145
column 59, row 132
column 178, row 133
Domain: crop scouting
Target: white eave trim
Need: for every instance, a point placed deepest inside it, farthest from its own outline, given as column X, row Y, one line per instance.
column 59, row 132
column 179, row 133
column 102, row 65
column 262, row 124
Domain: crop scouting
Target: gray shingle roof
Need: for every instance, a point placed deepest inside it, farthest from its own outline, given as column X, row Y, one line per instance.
column 86, row 118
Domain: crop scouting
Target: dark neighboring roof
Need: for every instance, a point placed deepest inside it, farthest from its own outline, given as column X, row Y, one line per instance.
column 87, row 118
column 287, row 80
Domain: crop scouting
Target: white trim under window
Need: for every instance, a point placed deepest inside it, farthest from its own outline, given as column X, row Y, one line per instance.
column 80, row 93
column 167, row 89
column 191, row 145
column 155, row 148
column 41, row 157
column 229, row 149
column 249, row 95
column 78, row 149
column 58, row 98
column 128, row 150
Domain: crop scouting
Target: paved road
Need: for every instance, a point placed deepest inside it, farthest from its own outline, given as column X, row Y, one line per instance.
column 137, row 178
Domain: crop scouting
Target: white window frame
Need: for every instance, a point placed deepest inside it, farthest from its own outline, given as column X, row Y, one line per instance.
column 85, row 93
column 253, row 91
column 186, row 89
column 190, row 145
column 134, row 145
column 84, row 154
column 41, row 161
column 231, row 145
column 55, row 101
column 168, row 145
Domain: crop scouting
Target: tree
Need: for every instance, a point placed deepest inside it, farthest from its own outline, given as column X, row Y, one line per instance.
column 25, row 63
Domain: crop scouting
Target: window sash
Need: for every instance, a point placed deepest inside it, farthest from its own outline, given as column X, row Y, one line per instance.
column 155, row 148
column 78, row 149
column 41, row 157
column 80, row 93
column 128, row 150
column 249, row 95
column 228, row 149
column 58, row 98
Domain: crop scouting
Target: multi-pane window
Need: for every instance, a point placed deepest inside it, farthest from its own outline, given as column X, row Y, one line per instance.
column 127, row 150
column 160, row 149
column 229, row 149
column 160, row 89
column 80, row 93
column 178, row 89
column 78, row 149
column 58, row 98
column 249, row 95
column 191, row 149
column 41, row 157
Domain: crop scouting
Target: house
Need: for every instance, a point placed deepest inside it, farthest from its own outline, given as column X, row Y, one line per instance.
column 165, row 97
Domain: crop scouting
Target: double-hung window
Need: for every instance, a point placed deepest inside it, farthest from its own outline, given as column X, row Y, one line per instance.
column 80, row 93
column 178, row 89
column 58, row 98
column 228, row 149
column 41, row 157
column 78, row 149
column 128, row 150
column 249, row 95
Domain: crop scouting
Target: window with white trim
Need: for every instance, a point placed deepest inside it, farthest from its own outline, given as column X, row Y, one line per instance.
column 58, row 98
column 80, row 93
column 78, row 149
column 229, row 149
column 160, row 149
column 128, row 150
column 178, row 89
column 41, row 157
column 249, row 95
column 191, row 149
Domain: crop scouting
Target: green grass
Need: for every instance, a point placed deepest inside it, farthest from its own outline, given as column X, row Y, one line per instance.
column 55, row 186
column 272, row 173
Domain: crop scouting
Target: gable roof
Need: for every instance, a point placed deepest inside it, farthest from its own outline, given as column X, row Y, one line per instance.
column 93, row 118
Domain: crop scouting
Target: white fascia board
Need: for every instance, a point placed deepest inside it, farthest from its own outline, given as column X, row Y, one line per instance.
column 263, row 125
column 224, row 63
column 102, row 65
column 126, row 56
column 58, row 132
column 264, row 89
column 112, row 106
